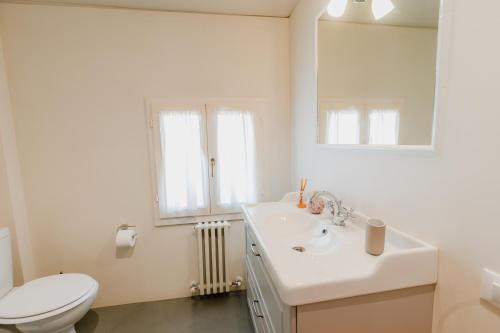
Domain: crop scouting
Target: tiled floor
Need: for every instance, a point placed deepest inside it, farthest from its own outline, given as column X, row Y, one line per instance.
column 216, row 314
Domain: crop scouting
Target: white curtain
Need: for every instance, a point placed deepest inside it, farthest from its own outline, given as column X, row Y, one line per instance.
column 236, row 154
column 342, row 127
column 184, row 186
column 384, row 127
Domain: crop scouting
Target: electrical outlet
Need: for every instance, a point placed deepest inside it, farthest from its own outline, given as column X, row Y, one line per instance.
column 490, row 287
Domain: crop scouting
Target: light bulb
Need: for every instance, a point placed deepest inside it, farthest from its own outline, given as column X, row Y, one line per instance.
column 336, row 8
column 381, row 8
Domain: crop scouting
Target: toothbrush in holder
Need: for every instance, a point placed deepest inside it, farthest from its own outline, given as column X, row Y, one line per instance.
column 303, row 184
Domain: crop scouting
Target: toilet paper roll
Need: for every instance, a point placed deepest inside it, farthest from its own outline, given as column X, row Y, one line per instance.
column 126, row 238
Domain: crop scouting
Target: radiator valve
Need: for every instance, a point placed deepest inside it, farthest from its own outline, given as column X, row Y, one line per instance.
column 237, row 283
column 195, row 288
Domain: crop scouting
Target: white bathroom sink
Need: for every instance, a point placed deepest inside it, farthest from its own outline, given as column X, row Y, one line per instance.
column 296, row 229
column 311, row 260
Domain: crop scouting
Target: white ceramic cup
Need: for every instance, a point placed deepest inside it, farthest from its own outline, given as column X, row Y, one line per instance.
column 375, row 237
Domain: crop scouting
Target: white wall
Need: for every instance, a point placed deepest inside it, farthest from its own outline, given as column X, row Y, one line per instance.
column 7, row 219
column 13, row 213
column 78, row 79
column 448, row 198
column 374, row 63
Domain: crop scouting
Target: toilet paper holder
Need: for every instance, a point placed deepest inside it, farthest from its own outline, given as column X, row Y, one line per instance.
column 124, row 227
column 126, row 237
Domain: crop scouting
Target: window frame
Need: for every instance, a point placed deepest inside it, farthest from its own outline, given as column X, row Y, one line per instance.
column 212, row 213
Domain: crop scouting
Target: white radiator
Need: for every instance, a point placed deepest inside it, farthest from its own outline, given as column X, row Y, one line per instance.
column 213, row 240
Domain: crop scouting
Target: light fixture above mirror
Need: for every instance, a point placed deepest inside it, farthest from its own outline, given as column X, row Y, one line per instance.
column 380, row 8
column 336, row 8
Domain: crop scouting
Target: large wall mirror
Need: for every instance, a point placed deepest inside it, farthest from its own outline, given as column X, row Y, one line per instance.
column 377, row 72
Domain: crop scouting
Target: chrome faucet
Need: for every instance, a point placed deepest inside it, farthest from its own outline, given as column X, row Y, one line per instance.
column 340, row 214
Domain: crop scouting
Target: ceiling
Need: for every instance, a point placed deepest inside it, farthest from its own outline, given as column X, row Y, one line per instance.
column 275, row 8
column 412, row 13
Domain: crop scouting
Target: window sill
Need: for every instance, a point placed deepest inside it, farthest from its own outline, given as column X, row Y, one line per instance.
column 197, row 219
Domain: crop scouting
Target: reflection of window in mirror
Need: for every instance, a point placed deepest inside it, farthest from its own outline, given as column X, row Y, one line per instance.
column 342, row 127
column 384, row 127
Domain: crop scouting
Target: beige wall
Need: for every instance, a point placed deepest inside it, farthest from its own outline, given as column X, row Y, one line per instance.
column 373, row 63
column 448, row 198
column 6, row 214
column 7, row 219
column 78, row 79
column 13, row 212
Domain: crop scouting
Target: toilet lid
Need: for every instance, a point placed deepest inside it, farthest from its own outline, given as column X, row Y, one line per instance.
column 44, row 295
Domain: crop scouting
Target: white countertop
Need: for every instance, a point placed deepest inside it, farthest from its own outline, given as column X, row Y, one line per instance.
column 334, row 265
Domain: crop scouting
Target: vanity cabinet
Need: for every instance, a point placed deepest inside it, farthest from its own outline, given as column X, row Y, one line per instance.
column 269, row 313
column 406, row 310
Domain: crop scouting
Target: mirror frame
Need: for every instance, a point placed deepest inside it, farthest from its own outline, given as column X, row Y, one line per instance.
column 440, row 91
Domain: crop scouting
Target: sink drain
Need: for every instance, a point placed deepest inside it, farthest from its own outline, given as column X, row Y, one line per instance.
column 299, row 248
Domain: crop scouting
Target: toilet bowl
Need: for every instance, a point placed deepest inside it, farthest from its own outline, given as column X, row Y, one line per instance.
column 52, row 304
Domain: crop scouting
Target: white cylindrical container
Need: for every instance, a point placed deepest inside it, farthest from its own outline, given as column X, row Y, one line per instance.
column 375, row 237
column 125, row 238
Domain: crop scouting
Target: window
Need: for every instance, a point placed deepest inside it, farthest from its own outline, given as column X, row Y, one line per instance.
column 342, row 127
column 205, row 157
column 236, row 173
column 351, row 122
column 183, row 180
column 384, row 127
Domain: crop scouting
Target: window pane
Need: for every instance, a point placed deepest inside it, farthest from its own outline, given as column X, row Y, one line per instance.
column 184, row 186
column 384, row 127
column 236, row 153
column 342, row 127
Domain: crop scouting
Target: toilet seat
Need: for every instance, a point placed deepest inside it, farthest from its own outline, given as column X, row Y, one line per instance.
column 45, row 297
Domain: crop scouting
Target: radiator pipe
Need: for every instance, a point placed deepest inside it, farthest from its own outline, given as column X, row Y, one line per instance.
column 195, row 287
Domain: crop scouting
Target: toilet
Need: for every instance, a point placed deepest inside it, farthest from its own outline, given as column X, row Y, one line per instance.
column 52, row 304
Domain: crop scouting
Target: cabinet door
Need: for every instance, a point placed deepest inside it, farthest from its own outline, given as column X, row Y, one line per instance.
column 279, row 317
column 397, row 311
column 255, row 306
